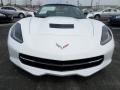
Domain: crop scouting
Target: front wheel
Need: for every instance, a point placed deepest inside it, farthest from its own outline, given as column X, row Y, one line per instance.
column 97, row 17
column 21, row 15
column 10, row 19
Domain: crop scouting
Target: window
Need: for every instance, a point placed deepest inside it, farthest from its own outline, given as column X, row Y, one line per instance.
column 115, row 10
column 8, row 8
column 108, row 10
column 4, row 8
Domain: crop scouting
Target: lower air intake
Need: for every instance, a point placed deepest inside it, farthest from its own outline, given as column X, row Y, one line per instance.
column 57, row 65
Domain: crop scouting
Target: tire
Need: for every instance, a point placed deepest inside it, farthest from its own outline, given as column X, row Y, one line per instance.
column 10, row 19
column 97, row 17
column 21, row 15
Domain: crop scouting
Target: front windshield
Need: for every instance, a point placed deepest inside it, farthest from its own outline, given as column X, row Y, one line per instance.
column 59, row 10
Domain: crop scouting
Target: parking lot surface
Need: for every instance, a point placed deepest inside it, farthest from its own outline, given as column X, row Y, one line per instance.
column 13, row 78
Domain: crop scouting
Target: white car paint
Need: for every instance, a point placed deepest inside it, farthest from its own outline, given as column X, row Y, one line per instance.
column 40, row 41
column 60, row 45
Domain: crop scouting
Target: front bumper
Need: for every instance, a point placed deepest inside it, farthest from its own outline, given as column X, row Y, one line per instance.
column 15, row 49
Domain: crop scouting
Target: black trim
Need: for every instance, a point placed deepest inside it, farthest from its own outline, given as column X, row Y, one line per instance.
column 63, row 26
column 61, row 65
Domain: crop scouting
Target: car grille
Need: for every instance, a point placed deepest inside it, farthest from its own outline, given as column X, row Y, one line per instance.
column 57, row 65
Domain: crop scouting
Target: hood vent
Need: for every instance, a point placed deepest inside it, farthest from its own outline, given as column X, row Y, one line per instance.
column 62, row 26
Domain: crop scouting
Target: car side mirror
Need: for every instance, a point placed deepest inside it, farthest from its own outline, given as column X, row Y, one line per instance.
column 35, row 13
column 29, row 15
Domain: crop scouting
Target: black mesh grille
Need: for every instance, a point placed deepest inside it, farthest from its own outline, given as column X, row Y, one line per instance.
column 60, row 65
column 63, row 26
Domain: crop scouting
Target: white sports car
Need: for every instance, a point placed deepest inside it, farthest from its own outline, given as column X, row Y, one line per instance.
column 60, row 41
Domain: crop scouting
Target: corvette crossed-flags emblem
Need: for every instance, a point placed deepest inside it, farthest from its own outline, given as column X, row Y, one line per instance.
column 62, row 47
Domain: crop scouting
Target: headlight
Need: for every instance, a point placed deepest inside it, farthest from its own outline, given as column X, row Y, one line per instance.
column 16, row 33
column 106, row 35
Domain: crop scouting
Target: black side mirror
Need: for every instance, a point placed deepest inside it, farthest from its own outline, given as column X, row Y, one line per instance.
column 29, row 15
column 35, row 13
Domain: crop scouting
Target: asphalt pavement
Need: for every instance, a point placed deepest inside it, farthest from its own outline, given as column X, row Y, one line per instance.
column 13, row 78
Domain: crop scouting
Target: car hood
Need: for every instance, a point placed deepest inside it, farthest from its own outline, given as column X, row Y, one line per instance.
column 61, row 26
column 59, row 43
